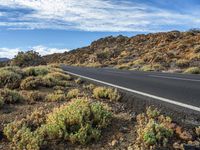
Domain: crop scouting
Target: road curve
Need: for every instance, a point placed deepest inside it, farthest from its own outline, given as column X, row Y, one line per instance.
column 177, row 89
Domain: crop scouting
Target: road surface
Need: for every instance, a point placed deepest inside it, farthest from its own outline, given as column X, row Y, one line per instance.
column 177, row 89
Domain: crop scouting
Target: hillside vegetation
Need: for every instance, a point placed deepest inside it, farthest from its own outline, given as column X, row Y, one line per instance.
column 167, row 51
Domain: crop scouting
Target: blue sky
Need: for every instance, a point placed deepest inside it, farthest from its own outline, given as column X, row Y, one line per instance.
column 50, row 26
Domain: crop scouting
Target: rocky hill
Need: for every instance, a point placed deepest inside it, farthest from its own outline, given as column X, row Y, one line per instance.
column 175, row 51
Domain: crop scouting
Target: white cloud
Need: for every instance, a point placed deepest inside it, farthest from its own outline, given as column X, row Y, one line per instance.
column 95, row 15
column 42, row 50
column 8, row 53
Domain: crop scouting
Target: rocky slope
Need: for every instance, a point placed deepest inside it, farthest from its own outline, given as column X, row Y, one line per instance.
column 159, row 51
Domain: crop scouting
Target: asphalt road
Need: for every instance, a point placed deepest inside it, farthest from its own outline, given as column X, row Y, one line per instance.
column 178, row 89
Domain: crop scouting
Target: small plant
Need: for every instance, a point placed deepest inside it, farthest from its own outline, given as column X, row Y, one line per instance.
column 36, row 71
column 80, row 121
column 147, row 68
column 60, row 76
column 154, row 130
column 192, row 70
column 9, row 79
column 31, row 83
column 56, row 96
column 107, row 93
column 73, row 93
column 10, row 96
column 25, row 139
column 79, row 81
column 32, row 96
column 182, row 63
column 89, row 86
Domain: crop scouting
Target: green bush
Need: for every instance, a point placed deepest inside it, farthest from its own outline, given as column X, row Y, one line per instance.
column 36, row 71
column 80, row 121
column 10, row 96
column 25, row 139
column 147, row 68
column 56, row 96
column 31, row 83
column 33, row 96
column 154, row 131
column 73, row 93
column 29, row 58
column 107, row 93
column 9, row 79
column 60, row 76
column 182, row 63
column 22, row 133
column 79, row 81
column 192, row 70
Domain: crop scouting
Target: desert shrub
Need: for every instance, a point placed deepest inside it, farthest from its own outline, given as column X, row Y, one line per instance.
column 36, row 71
column 73, row 93
column 89, row 87
column 182, row 63
column 33, row 121
column 10, row 96
column 51, row 81
column 29, row 58
column 79, row 81
column 60, row 76
column 80, row 121
column 32, row 96
column 21, row 136
column 192, row 70
column 31, row 83
column 14, row 69
column 9, row 79
column 56, row 96
column 138, row 62
column 1, row 101
column 123, row 66
column 197, row 49
column 107, row 93
column 153, row 130
column 25, row 139
column 146, row 68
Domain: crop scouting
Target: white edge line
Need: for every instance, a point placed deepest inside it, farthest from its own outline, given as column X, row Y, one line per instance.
column 140, row 93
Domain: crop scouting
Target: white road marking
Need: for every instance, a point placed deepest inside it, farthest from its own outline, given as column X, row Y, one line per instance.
column 175, row 78
column 140, row 93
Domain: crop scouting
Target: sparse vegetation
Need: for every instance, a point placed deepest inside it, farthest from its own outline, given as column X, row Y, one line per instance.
column 154, row 130
column 193, row 70
column 107, row 93
column 10, row 77
column 56, row 96
column 10, row 96
column 73, row 93
column 79, row 121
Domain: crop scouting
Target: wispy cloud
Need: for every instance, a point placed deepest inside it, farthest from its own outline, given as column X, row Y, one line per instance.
column 42, row 50
column 93, row 15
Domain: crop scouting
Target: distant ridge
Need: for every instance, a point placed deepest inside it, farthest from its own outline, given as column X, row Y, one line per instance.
column 4, row 59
